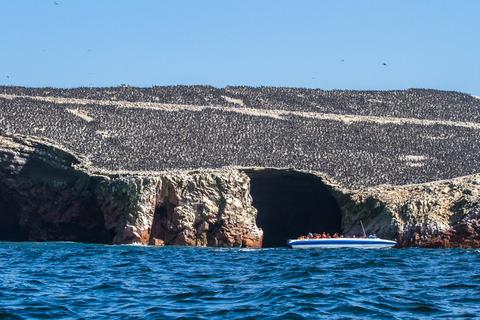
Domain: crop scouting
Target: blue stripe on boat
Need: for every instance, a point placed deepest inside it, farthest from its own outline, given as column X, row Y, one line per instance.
column 336, row 242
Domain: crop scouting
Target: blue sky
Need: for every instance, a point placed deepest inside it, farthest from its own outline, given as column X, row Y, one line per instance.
column 317, row 44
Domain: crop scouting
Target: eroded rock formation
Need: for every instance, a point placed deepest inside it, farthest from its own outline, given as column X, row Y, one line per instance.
column 436, row 214
column 48, row 193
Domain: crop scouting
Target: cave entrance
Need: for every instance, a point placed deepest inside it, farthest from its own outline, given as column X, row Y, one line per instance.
column 161, row 228
column 292, row 203
column 80, row 220
column 10, row 229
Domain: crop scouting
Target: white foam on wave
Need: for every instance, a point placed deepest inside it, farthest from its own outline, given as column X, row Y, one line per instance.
column 135, row 244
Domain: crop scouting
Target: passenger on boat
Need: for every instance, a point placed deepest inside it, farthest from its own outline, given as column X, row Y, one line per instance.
column 324, row 235
column 335, row 235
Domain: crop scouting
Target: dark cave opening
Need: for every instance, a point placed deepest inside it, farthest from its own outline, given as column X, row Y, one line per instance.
column 292, row 203
column 161, row 228
column 33, row 208
column 10, row 229
column 86, row 223
column 67, row 212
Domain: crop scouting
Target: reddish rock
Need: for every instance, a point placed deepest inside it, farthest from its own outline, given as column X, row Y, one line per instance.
column 158, row 242
column 464, row 234
column 47, row 193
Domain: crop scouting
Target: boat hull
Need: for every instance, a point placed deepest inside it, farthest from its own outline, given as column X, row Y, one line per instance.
column 364, row 243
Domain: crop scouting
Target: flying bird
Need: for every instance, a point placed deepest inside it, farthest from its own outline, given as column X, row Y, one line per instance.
column 56, row 3
column 384, row 64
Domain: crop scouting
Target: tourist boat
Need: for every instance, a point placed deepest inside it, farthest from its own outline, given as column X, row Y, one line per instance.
column 366, row 243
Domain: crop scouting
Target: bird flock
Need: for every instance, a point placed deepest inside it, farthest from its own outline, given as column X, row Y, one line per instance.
column 355, row 154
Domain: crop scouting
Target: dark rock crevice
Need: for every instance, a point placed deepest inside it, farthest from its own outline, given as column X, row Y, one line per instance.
column 42, row 214
column 80, row 220
column 10, row 228
column 291, row 203
column 162, row 228
column 43, row 197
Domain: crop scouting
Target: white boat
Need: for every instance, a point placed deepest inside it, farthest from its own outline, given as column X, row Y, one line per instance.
column 366, row 243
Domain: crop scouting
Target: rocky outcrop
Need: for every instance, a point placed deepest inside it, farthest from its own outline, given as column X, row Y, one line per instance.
column 206, row 208
column 47, row 193
column 436, row 214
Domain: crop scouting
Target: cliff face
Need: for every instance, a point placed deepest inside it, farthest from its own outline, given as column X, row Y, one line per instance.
column 359, row 138
column 436, row 214
column 47, row 193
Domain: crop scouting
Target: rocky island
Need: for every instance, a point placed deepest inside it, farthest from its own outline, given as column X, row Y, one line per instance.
column 238, row 166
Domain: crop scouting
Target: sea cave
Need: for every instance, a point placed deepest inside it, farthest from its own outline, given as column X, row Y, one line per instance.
column 292, row 203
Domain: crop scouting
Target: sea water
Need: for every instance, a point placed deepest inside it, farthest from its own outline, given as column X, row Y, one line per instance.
column 71, row 280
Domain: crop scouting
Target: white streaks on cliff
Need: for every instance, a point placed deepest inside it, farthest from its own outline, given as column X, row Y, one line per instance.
column 411, row 157
column 81, row 114
column 271, row 113
column 233, row 100
column 379, row 101
column 414, row 161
